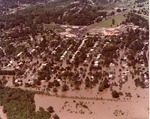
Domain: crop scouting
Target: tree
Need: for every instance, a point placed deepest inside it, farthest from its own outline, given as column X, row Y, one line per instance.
column 115, row 94
column 56, row 116
column 4, row 110
column 56, row 83
column 118, row 10
column 1, row 83
column 101, row 87
column 105, row 82
column 77, row 87
column 55, row 90
column 113, row 21
column 50, row 84
column 2, row 25
column 1, row 53
column 65, row 87
column 38, row 82
column 112, row 13
column 50, row 109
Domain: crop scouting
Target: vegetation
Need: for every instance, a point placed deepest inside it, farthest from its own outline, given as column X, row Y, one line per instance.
column 53, row 13
column 65, row 87
column 50, row 109
column 103, row 85
column 56, row 116
column 115, row 94
column 19, row 104
column 137, row 20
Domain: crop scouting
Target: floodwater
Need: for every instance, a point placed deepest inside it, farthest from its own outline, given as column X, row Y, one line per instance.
column 2, row 114
column 134, row 108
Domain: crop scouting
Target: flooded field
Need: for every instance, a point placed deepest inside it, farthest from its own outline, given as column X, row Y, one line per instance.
column 97, row 108
column 69, row 108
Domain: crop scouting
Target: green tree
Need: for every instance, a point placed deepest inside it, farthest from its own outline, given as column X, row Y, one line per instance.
column 113, row 21
column 50, row 109
column 65, row 87
column 115, row 94
column 56, row 116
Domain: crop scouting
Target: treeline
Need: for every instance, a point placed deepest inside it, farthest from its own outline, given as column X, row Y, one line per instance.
column 80, row 15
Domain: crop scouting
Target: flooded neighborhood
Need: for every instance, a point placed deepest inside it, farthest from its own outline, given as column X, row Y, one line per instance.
column 86, row 59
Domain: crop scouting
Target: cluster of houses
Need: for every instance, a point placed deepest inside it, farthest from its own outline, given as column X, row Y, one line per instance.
column 56, row 63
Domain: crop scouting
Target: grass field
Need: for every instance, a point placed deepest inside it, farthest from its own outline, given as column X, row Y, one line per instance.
column 107, row 23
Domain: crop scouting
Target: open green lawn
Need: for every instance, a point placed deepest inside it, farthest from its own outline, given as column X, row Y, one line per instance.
column 108, row 22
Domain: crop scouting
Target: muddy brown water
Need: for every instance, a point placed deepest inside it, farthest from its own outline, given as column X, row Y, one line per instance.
column 105, row 109
column 134, row 108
